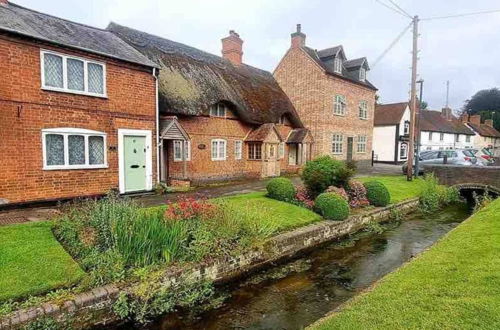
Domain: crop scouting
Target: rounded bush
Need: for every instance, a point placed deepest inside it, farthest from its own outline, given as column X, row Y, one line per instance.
column 377, row 193
column 320, row 173
column 281, row 189
column 332, row 206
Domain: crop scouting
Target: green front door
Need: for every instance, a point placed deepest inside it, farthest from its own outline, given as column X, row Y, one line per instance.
column 135, row 162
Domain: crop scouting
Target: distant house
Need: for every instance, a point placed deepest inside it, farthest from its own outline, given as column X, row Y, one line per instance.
column 220, row 118
column 391, row 132
column 440, row 130
column 486, row 136
column 333, row 97
column 77, row 109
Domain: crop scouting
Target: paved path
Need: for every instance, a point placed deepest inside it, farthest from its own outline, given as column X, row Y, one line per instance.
column 234, row 188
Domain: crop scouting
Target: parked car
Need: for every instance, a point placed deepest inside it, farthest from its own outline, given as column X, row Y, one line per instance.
column 484, row 156
column 463, row 157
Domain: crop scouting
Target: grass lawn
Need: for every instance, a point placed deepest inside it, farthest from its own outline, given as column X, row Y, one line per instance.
column 33, row 262
column 454, row 285
column 283, row 216
column 399, row 188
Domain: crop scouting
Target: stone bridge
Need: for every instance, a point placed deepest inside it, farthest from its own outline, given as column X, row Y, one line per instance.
column 468, row 178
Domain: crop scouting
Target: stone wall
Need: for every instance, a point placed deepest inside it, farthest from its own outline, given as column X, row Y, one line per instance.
column 94, row 307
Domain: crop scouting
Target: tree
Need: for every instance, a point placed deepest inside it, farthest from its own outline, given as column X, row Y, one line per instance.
column 424, row 105
column 486, row 103
column 484, row 100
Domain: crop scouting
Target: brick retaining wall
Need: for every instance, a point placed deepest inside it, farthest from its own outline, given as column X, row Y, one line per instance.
column 94, row 307
column 453, row 174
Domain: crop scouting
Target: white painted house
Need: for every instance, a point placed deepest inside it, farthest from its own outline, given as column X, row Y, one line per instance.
column 486, row 136
column 391, row 132
column 440, row 130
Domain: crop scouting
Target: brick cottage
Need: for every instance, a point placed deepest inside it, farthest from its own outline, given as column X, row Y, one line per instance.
column 77, row 109
column 220, row 118
column 332, row 96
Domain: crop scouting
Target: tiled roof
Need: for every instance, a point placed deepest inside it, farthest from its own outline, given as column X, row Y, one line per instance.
column 435, row 122
column 389, row 114
column 332, row 51
column 297, row 135
column 329, row 70
column 261, row 133
column 356, row 63
column 484, row 130
column 192, row 80
column 29, row 23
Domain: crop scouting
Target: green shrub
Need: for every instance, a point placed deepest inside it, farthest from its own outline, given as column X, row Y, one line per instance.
column 434, row 196
column 322, row 172
column 332, row 206
column 377, row 193
column 281, row 189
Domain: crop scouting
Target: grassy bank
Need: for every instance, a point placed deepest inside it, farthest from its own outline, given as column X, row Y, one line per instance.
column 399, row 188
column 33, row 262
column 454, row 285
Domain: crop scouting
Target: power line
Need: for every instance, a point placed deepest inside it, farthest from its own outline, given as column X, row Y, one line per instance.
column 461, row 15
column 393, row 9
column 391, row 45
column 401, row 9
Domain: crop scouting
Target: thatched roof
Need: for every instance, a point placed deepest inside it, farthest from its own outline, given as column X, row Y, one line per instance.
column 192, row 80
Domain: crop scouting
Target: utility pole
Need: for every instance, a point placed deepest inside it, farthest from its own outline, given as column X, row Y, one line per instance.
column 413, row 99
column 447, row 93
column 417, row 129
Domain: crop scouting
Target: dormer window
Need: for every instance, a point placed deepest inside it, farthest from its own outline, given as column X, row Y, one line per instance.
column 406, row 130
column 337, row 65
column 362, row 74
column 218, row 110
column 282, row 120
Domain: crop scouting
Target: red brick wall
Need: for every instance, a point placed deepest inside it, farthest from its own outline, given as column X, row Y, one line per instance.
column 312, row 93
column 26, row 109
column 201, row 167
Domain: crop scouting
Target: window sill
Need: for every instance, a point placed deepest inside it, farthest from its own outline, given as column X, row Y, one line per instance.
column 337, row 153
column 180, row 160
column 339, row 114
column 218, row 159
column 76, row 167
column 68, row 91
column 363, row 118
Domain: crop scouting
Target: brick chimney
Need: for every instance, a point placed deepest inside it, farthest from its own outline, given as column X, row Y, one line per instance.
column 232, row 48
column 4, row 2
column 476, row 119
column 446, row 113
column 489, row 122
column 464, row 118
column 298, row 38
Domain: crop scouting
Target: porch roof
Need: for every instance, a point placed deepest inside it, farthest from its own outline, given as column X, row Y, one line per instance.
column 171, row 129
column 299, row 135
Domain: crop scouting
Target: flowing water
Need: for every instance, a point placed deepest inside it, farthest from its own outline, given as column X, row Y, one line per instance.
column 295, row 294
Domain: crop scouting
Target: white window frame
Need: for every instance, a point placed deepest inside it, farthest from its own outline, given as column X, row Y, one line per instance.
column 65, row 132
column 441, row 136
column 65, row 88
column 430, row 136
column 238, row 149
column 218, row 156
column 361, row 142
column 337, row 144
column 254, row 146
column 406, row 127
column 467, row 138
column 362, row 74
column 405, row 155
column 281, row 150
column 337, row 65
column 179, row 143
column 340, row 105
column 363, row 110
column 215, row 110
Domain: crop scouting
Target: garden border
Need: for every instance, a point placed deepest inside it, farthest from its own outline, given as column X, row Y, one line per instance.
column 95, row 307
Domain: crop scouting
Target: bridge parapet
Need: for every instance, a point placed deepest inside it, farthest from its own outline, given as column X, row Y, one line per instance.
column 453, row 175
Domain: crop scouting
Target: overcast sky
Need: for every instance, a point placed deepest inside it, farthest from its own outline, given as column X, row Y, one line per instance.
column 463, row 50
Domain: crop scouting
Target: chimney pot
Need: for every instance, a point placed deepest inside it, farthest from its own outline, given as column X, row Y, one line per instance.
column 232, row 48
column 489, row 122
column 298, row 38
column 4, row 2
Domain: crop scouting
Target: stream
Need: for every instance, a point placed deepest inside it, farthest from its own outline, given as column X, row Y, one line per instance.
column 295, row 294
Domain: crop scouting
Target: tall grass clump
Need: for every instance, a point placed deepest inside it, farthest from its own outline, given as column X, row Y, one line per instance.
column 435, row 196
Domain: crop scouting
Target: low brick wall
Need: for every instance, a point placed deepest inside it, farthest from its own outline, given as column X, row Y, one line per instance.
column 453, row 174
column 94, row 307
